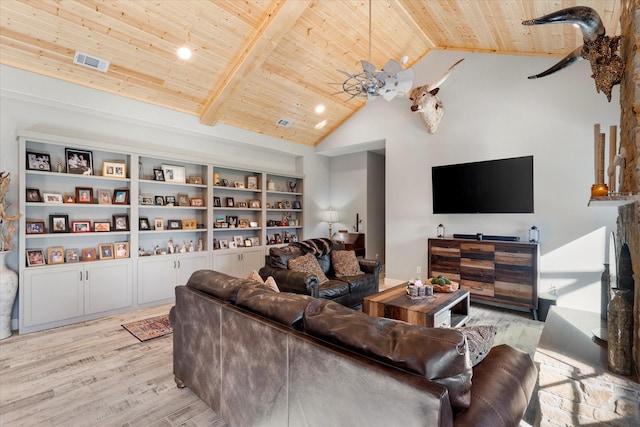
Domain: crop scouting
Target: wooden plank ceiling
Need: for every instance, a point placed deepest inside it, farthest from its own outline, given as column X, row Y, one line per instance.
column 255, row 62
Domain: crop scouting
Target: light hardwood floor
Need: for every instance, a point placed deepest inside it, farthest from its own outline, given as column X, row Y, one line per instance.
column 97, row 374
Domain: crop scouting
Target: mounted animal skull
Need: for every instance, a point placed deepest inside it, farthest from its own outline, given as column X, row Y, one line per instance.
column 426, row 102
column 599, row 49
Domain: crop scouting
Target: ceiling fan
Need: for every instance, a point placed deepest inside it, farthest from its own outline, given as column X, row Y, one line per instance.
column 391, row 80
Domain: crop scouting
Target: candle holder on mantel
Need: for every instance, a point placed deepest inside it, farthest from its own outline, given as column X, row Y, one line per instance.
column 598, row 190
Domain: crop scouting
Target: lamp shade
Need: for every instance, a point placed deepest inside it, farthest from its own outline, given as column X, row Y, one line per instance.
column 330, row 216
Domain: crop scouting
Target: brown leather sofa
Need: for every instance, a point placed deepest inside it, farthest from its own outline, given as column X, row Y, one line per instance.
column 346, row 290
column 264, row 358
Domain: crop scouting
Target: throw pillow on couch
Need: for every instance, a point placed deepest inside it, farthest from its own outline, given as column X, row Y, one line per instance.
column 308, row 264
column 345, row 263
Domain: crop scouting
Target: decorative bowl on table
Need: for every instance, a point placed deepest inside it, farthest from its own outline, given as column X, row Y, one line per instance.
column 442, row 284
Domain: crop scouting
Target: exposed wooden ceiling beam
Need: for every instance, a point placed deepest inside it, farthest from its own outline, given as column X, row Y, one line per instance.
column 280, row 18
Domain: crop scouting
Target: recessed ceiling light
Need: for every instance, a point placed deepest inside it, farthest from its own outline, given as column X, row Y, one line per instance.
column 321, row 124
column 320, row 109
column 184, row 52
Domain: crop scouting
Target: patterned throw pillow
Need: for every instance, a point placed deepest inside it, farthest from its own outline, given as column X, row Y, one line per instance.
column 480, row 340
column 270, row 282
column 345, row 263
column 308, row 264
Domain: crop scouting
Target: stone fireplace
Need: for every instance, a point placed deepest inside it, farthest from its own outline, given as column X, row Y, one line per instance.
column 628, row 222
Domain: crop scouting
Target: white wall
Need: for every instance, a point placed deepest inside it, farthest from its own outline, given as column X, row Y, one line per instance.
column 493, row 111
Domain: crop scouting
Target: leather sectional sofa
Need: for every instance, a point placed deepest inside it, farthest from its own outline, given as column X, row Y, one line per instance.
column 263, row 358
column 347, row 290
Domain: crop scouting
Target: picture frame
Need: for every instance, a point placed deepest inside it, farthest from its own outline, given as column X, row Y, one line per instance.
column 224, row 244
column 225, row 182
column 277, row 237
column 253, row 224
column 280, row 205
column 158, row 175
column 80, row 226
column 69, row 198
column 84, row 195
column 238, row 184
column 33, row 195
column 103, row 196
column 170, row 200
column 243, row 223
column 55, row 255
column 174, row 224
column 195, row 179
column 297, row 204
column 254, row 204
column 174, row 173
column 114, row 169
column 121, row 222
column 38, row 161
column 54, row 198
column 58, row 223
column 248, row 243
column 79, row 162
column 216, row 202
column 232, row 221
column 229, row 202
column 158, row 200
column 72, row 255
column 101, row 226
column 35, row 257
column 35, row 227
column 233, row 244
column 239, row 241
column 120, row 196
column 158, row 224
column 121, row 250
column 197, row 202
column 105, row 250
column 252, row 182
column 89, row 255
column 255, row 241
column 189, row 224
column 183, row 199
column 143, row 224
column 241, row 204
column 287, row 204
column 147, row 200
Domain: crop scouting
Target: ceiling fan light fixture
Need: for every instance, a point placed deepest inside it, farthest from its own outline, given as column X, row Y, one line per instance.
column 319, row 109
column 184, row 52
column 321, row 124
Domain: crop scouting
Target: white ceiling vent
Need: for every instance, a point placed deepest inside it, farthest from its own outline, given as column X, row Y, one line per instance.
column 284, row 123
column 91, row 62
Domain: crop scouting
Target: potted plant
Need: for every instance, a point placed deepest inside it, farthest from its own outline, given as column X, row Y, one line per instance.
column 8, row 277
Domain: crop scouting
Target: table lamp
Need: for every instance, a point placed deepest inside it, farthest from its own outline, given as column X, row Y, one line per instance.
column 330, row 216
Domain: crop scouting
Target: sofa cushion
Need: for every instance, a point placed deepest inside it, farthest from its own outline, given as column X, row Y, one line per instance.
column 332, row 289
column 282, row 307
column 480, row 340
column 345, row 263
column 219, row 285
column 438, row 354
column 308, row 264
column 270, row 282
column 279, row 257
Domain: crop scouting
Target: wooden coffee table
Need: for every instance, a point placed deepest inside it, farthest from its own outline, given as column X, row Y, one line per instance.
column 443, row 310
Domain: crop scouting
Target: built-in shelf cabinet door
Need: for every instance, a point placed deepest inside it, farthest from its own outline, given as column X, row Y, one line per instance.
column 238, row 263
column 107, row 286
column 159, row 275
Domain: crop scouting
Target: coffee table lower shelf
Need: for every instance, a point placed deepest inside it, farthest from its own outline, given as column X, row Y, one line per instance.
column 448, row 310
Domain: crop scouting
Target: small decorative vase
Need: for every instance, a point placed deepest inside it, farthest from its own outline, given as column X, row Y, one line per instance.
column 8, row 289
column 620, row 333
column 605, row 291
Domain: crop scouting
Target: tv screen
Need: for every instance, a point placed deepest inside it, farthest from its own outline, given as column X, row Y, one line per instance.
column 493, row 186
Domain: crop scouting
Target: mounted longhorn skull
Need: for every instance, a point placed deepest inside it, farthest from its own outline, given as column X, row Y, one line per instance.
column 599, row 49
column 426, row 102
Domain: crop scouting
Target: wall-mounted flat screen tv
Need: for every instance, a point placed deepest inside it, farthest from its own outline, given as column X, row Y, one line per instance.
column 492, row 186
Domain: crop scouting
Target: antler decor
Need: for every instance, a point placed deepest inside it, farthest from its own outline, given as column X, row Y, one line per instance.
column 600, row 49
column 6, row 229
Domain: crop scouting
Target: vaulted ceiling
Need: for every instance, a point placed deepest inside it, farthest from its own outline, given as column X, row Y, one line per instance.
column 255, row 62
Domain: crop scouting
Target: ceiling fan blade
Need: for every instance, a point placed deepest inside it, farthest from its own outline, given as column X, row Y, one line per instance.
column 392, row 67
column 405, row 80
column 369, row 69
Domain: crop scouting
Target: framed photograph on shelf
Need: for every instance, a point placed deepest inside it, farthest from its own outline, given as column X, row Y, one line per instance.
column 170, row 200
column 243, row 223
column 216, row 202
column 195, row 179
column 158, row 175
column 88, row 254
column 183, row 200
column 35, row 257
column 230, row 202
column 224, row 244
column 58, row 223
column 147, row 200
column 121, row 196
column 248, row 243
column 189, row 224
column 33, row 195
column 254, row 204
column 38, row 161
column 101, row 226
column 121, row 249
column 105, row 250
column 238, row 184
column 197, row 202
column 55, row 198
column 121, row 222
column 255, row 241
column 252, row 182
column 253, row 224
column 69, row 198
column 79, row 162
column 80, row 226
column 174, row 173
column 143, row 224
column 103, row 197
column 233, row 244
column 239, row 240
column 84, row 195
column 241, row 205
column 35, row 227
column 72, row 255
column 232, row 220
column 225, row 182
column 174, row 224
column 158, row 224
column 159, row 200
column 114, row 169
column 55, row 255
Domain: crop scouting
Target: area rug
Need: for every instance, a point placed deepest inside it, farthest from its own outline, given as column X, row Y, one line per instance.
column 147, row 329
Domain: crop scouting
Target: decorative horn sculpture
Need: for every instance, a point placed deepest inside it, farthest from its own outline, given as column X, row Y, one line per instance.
column 426, row 102
column 600, row 49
